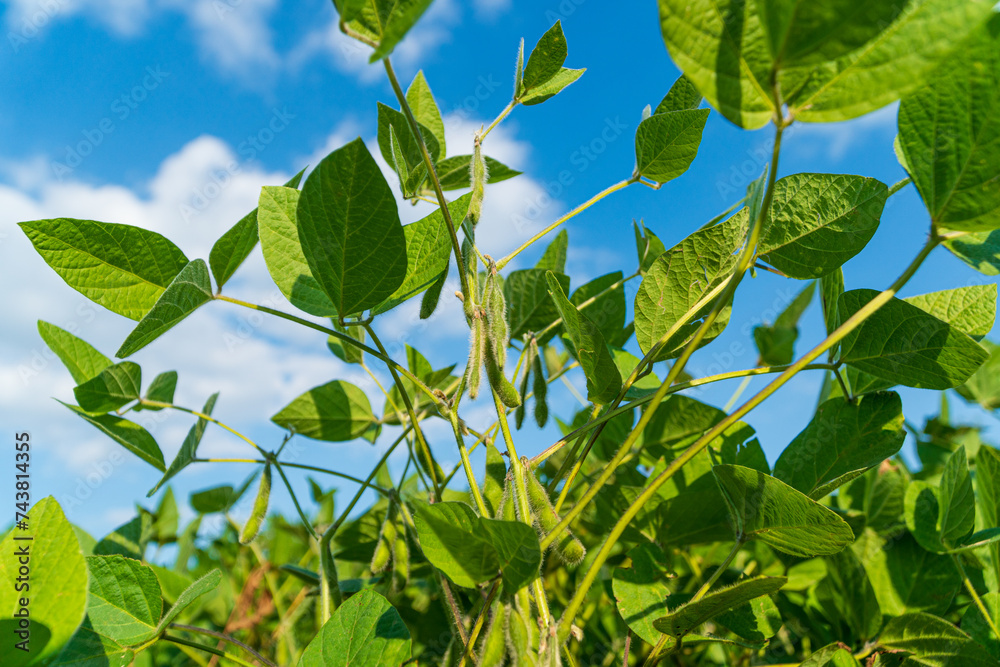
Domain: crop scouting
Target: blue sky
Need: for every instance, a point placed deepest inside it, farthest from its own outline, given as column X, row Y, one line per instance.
column 171, row 114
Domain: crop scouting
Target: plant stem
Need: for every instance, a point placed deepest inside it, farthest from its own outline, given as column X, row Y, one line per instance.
column 680, row 386
column 295, row 500
column 899, row 186
column 225, row 638
column 432, row 175
column 464, row 453
column 474, row 635
column 743, row 263
column 207, row 649
column 521, row 497
column 208, row 418
column 975, row 596
column 329, row 587
column 576, row 211
column 336, row 334
column 718, row 572
column 431, row 464
column 503, row 114
column 651, row 487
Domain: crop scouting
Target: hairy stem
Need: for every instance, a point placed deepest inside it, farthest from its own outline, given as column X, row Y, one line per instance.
column 651, row 487
column 576, row 211
column 718, row 572
column 225, row 638
column 432, row 175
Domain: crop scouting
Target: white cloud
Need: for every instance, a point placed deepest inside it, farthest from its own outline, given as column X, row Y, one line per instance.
column 234, row 36
column 257, row 363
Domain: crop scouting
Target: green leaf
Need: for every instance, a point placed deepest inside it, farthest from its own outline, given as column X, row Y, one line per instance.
column 922, row 510
column 608, row 310
column 233, row 247
column 648, row 246
column 286, row 262
column 124, row 602
column 87, row 648
column 129, row 435
column 888, row 67
column 906, row 577
column 689, row 616
column 933, row 642
column 428, row 251
column 776, row 343
column 381, row 23
column 205, row 584
column 190, row 290
column 81, row 359
column 721, row 48
column 980, row 250
column 546, row 59
column 552, row 87
column 554, row 257
column 453, row 172
column 214, row 499
column 641, row 590
column 984, row 385
column 949, row 133
column 343, row 350
column 112, row 388
column 682, row 278
column 162, row 389
column 972, row 310
column 517, row 548
column 391, row 119
column 682, row 95
column 365, row 630
column 819, row 221
column 603, row 379
column 957, row 518
column 530, row 307
column 834, row 655
column 803, row 32
column 189, row 448
column 337, row 411
column 667, row 143
column 347, row 217
column 421, row 102
column 767, row 509
column 120, row 267
column 452, row 541
column 129, row 539
column 852, row 593
column 843, row 439
column 988, row 497
column 977, row 626
column 58, row 581
column 921, row 351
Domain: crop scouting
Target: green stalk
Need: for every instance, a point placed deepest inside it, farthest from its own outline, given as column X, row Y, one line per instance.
column 421, row 441
column 653, row 486
column 718, row 572
column 432, row 175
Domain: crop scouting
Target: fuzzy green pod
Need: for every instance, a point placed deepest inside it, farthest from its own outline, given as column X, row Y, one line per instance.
column 505, row 390
column 522, row 632
column 256, row 520
column 495, row 305
column 386, row 538
column 478, row 175
column 568, row 547
column 477, row 354
column 494, row 646
column 400, row 560
column 540, row 389
column 471, row 261
column 506, row 510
